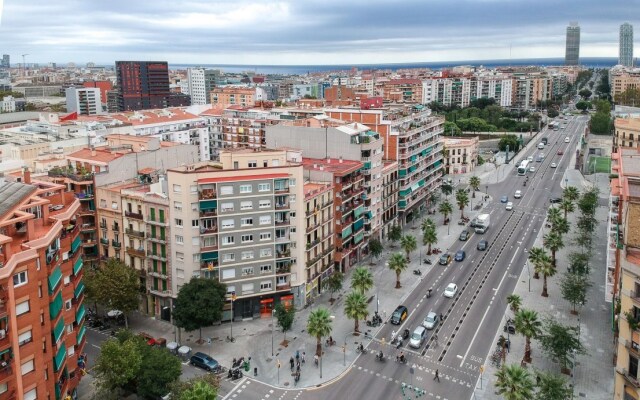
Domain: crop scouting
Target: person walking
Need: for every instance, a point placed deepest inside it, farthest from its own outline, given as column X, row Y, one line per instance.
column 315, row 359
column 303, row 357
column 298, row 356
column 437, row 376
column 291, row 362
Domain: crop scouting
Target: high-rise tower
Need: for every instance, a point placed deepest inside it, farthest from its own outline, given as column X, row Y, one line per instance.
column 626, row 45
column 572, row 52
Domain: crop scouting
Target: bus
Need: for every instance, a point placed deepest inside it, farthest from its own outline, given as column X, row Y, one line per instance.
column 523, row 168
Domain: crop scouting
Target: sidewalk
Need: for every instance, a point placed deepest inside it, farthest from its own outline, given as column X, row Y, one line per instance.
column 592, row 376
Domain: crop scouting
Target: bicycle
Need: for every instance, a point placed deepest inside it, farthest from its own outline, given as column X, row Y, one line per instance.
column 231, row 339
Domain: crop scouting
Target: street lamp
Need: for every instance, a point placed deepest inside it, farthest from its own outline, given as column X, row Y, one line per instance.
column 273, row 311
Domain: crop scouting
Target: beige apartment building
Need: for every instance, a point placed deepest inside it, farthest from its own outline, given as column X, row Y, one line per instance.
column 233, row 95
column 627, row 132
column 460, row 155
column 390, row 189
column 241, row 221
column 623, row 79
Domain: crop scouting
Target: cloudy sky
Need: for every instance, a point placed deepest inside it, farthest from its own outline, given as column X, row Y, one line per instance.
column 306, row 31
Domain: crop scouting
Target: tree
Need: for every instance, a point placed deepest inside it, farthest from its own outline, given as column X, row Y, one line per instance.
column 451, row 129
column 200, row 391
column 199, row 304
column 334, row 283
column 514, row 382
column 395, row 233
column 285, row 317
column 115, row 285
column 571, row 193
column 551, row 387
column 445, row 209
column 356, row 307
column 397, row 263
column 362, row 280
column 630, row 97
column 207, row 384
column 552, row 112
column 535, row 256
column 553, row 214
column 319, row 326
column 600, row 124
column 159, row 369
column 585, row 93
column 511, row 141
column 427, row 223
column 376, row 248
column 583, row 105
column 574, row 289
column 429, row 238
column 462, row 198
column 446, row 188
column 567, row 206
column 117, row 364
column 579, row 263
column 560, row 226
column 560, row 342
column 529, row 326
column 514, row 302
column 553, row 242
column 545, row 267
column 474, row 182
column 408, row 244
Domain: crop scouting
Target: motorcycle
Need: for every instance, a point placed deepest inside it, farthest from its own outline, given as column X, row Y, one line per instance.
column 461, row 222
column 510, row 327
column 237, row 362
column 374, row 322
column 436, row 250
column 401, row 359
column 417, row 272
column 429, row 293
column 234, row 374
column 405, row 334
column 426, row 261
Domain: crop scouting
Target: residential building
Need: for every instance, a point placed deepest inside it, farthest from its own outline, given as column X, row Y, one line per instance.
column 112, row 101
column 200, row 83
column 625, row 51
column 319, row 225
column 530, row 90
column 8, row 104
column 6, row 61
column 323, row 137
column 460, row 155
column 144, row 85
column 412, row 137
column 572, row 50
column 241, row 221
column 622, row 78
column 104, row 86
column 403, row 90
column 237, row 96
column 349, row 218
column 84, row 101
column 338, row 93
column 390, row 189
column 447, row 91
column 42, row 330
column 626, row 132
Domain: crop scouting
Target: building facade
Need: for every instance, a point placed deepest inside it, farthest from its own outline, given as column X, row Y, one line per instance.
column 572, row 47
column 625, row 51
column 6, row 61
column 460, row 155
column 84, row 101
column 200, row 83
column 626, row 132
column 235, row 95
column 104, row 86
column 390, row 189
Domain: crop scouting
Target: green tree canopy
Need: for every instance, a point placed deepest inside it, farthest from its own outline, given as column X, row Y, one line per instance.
column 574, row 289
column 552, row 112
column 285, row 317
column 560, row 342
column 474, row 182
column 528, row 325
column 200, row 391
column 630, row 97
column 208, row 385
column 118, row 364
column 356, row 307
column 510, row 140
column 375, row 247
column 361, row 280
column 600, row 124
column 408, row 244
column 462, row 198
column 319, row 326
column 158, row 370
column 451, row 129
column 397, row 263
column 585, row 93
column 395, row 233
column 429, row 238
column 583, row 105
column 514, row 383
column 199, row 304
column 445, row 209
column 334, row 283
column 551, row 387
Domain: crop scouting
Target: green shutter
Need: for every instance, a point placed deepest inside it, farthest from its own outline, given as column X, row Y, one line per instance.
column 55, row 306
column 75, row 244
column 162, row 232
column 164, row 268
column 54, row 279
column 58, row 330
column 78, row 291
column 161, row 215
column 153, row 214
column 81, row 333
column 77, row 266
column 80, row 313
column 59, row 358
column 346, row 232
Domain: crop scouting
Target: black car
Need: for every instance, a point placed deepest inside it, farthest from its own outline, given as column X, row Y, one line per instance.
column 399, row 315
column 555, row 200
column 445, row 259
column 460, row 255
column 482, row 245
column 464, row 235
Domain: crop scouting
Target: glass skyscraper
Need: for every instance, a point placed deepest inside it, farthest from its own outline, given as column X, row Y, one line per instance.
column 626, row 45
column 572, row 52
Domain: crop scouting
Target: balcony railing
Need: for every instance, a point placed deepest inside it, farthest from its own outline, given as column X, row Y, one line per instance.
column 131, row 214
column 115, row 244
column 280, row 206
column 211, row 229
column 282, row 222
column 156, row 274
column 160, row 293
column 156, row 255
column 207, row 194
column 132, row 232
column 115, row 228
column 104, row 241
column 87, row 227
column 135, row 252
column 208, row 213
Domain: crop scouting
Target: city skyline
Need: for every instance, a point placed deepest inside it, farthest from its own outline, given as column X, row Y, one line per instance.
column 295, row 33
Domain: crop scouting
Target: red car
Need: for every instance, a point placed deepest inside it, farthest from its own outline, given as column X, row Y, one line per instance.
column 560, row 152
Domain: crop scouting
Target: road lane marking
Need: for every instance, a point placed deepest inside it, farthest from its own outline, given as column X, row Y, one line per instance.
column 514, row 256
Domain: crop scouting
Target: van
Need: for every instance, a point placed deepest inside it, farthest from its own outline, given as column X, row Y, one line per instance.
column 417, row 337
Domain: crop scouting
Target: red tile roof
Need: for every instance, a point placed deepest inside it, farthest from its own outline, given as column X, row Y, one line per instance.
column 100, row 156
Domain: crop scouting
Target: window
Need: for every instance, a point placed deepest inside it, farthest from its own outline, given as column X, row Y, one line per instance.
column 264, row 203
column 69, row 328
column 246, row 222
column 4, row 387
column 24, row 338
column 20, row 279
column 292, row 198
column 226, row 190
column 227, row 223
column 195, row 223
column 196, row 257
column 103, row 203
column 247, row 255
column 179, row 256
column 229, row 257
column 71, row 351
column 292, row 182
column 246, row 205
column 114, row 205
column 265, row 269
column 265, row 219
column 194, row 207
column 247, row 288
column 252, row 164
column 265, row 286
column 247, row 271
column 179, row 239
column 193, row 189
column 265, row 252
column 226, row 240
column 195, row 241
column 177, row 188
column 225, row 207
column 67, row 305
column 178, row 222
column 22, row 308
column 26, row 368
column 265, row 235
column 177, row 205
column 264, row 187
column 246, row 238
column 245, row 189
column 228, row 274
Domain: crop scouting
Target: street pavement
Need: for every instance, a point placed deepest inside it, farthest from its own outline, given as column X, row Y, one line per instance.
column 470, row 319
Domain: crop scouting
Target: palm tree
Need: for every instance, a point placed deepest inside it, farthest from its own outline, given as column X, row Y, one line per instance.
column 474, row 182
column 571, row 193
column 514, row 382
column 545, row 267
column 462, row 198
column 567, row 206
column 355, row 306
column 429, row 238
column 397, row 263
column 561, row 226
column 319, row 326
column 514, row 302
column 553, row 214
column 445, row 209
column 553, row 242
column 362, row 280
column 427, row 223
column 535, row 255
column 408, row 244
column 529, row 326
column 395, row 233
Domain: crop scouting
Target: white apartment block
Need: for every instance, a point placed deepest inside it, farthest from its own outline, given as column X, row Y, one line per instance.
column 461, row 90
column 8, row 104
column 84, row 101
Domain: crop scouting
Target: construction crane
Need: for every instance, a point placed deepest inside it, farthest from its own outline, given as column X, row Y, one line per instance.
column 24, row 65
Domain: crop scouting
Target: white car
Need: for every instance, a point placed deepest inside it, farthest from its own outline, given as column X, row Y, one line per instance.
column 509, row 206
column 451, row 290
column 566, row 140
column 530, row 158
column 518, row 194
column 553, row 165
column 532, row 169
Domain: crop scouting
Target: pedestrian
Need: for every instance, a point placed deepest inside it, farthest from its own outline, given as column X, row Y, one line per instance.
column 437, row 376
column 303, row 356
column 298, row 364
column 315, row 359
column 441, row 317
column 297, row 355
column 298, row 368
column 291, row 362
column 384, row 313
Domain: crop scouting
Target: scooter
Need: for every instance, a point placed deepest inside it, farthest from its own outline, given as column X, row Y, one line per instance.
column 380, row 357
column 234, row 374
column 405, row 334
column 426, row 261
column 429, row 293
column 510, row 327
column 401, row 359
column 417, row 272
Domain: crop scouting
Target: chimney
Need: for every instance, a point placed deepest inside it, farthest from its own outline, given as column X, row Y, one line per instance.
column 26, row 176
column 93, row 152
column 340, row 159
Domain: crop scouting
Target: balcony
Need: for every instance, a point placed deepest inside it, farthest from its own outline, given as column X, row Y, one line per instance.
column 156, row 221
column 84, row 228
column 86, row 211
column 281, row 206
column 160, row 293
column 635, row 298
column 208, row 230
column 283, row 254
column 135, row 252
column 283, row 222
column 131, row 214
column 104, row 241
column 156, row 256
column 283, row 286
column 628, row 377
column 156, row 274
column 135, row 233
column 208, row 247
column 84, row 196
column 115, row 228
column 115, row 244
column 158, row 239
column 208, row 213
column 207, row 194
column 283, row 269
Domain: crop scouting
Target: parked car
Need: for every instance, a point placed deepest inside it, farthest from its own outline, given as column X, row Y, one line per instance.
column 205, row 362
column 399, row 315
column 417, row 337
column 460, row 254
column 450, row 290
column 482, row 245
column 431, row 320
column 464, row 235
column 560, row 152
column 555, row 200
column 445, row 259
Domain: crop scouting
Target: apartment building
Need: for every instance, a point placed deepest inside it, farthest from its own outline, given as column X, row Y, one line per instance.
column 241, row 221
column 448, row 91
column 627, row 132
column 144, row 85
column 319, row 231
column 200, row 83
column 390, row 189
column 42, row 330
column 84, row 101
column 236, row 96
column 621, row 79
column 460, row 155
column 412, row 137
column 349, row 219
column 529, row 90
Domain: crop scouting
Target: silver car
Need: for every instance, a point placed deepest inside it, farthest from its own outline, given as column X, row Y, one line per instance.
column 418, row 337
column 431, row 320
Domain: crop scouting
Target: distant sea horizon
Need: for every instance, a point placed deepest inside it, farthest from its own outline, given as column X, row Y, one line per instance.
column 590, row 62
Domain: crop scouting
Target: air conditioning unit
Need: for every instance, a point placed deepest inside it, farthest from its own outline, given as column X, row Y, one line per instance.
column 3, row 333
